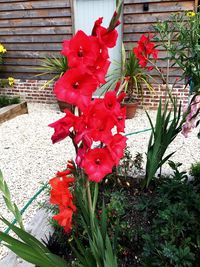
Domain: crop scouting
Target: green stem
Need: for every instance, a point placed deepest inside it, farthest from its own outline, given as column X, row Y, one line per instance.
column 157, row 69
column 122, row 86
column 89, row 197
column 96, row 190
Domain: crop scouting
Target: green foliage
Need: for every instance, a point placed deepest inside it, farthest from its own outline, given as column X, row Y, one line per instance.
column 163, row 133
column 2, row 52
column 30, row 249
column 116, row 206
column 53, row 65
column 137, row 77
column 179, row 175
column 100, row 250
column 1, row 59
column 116, row 15
column 173, row 238
column 128, row 164
column 6, row 101
column 179, row 36
column 195, row 171
column 12, row 207
column 6, row 83
column 137, row 161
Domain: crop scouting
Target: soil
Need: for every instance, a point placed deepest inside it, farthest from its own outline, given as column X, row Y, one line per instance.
column 129, row 255
column 132, row 247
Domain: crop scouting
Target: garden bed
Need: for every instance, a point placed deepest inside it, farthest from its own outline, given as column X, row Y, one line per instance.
column 32, row 141
column 12, row 111
column 156, row 226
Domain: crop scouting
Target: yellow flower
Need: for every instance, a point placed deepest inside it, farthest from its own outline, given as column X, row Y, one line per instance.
column 2, row 49
column 11, row 81
column 190, row 14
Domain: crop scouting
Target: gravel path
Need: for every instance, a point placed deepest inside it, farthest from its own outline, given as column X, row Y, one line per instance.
column 28, row 158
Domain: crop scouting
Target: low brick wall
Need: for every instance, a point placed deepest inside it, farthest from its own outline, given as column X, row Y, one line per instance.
column 31, row 91
column 151, row 100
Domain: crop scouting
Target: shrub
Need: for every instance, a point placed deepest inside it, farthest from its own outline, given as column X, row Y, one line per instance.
column 173, row 238
column 6, row 101
column 163, row 133
column 195, row 170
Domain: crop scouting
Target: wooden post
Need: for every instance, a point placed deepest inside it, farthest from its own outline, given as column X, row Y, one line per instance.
column 72, row 4
column 196, row 5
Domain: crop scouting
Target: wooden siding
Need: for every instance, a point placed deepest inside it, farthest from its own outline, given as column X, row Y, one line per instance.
column 136, row 21
column 31, row 30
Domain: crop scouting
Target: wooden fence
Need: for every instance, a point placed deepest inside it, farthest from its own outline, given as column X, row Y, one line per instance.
column 31, row 30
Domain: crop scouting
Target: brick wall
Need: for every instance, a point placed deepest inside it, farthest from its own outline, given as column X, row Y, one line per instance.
column 31, row 91
column 151, row 100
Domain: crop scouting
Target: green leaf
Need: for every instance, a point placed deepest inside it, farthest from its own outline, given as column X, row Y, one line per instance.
column 110, row 259
column 24, row 251
column 12, row 207
column 26, row 237
column 8, row 204
column 150, row 121
column 58, row 261
column 164, row 133
column 103, row 221
column 18, row 216
column 165, row 159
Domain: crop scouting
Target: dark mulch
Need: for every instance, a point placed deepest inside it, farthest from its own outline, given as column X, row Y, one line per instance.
column 131, row 248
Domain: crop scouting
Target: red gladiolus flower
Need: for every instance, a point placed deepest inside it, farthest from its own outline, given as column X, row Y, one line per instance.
column 144, row 39
column 99, row 122
column 76, row 87
column 60, row 186
column 111, row 103
column 100, row 69
column 97, row 24
column 120, row 122
column 80, row 156
column 106, row 38
column 117, row 86
column 62, row 198
column 144, row 50
column 121, row 97
column 116, row 147
column 64, row 218
column 60, row 195
column 81, row 49
column 62, row 126
column 97, row 164
column 64, row 173
column 70, row 166
column 101, row 131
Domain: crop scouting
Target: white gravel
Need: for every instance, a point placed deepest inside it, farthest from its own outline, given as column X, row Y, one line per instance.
column 28, row 158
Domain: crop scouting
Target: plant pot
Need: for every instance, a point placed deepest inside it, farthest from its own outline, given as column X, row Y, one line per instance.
column 64, row 105
column 130, row 109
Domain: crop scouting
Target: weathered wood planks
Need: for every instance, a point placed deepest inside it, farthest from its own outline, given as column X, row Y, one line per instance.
column 137, row 22
column 12, row 111
column 31, row 30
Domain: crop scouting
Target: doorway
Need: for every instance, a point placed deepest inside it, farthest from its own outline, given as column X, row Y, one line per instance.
column 87, row 11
